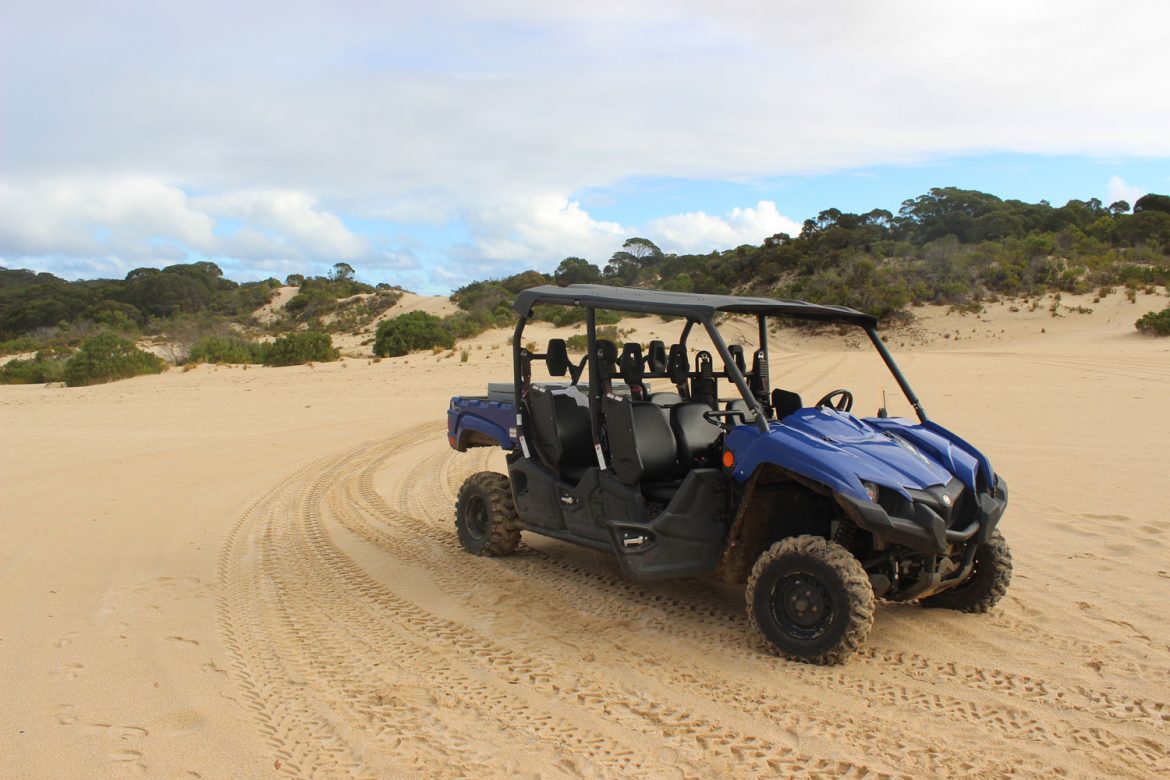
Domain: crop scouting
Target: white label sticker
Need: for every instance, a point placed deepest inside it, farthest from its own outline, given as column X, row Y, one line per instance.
column 524, row 446
column 600, row 457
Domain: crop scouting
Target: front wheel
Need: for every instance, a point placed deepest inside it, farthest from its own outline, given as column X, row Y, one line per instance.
column 985, row 585
column 485, row 515
column 811, row 600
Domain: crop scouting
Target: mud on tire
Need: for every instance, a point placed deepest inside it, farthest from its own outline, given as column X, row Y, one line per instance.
column 987, row 583
column 810, row 600
column 485, row 515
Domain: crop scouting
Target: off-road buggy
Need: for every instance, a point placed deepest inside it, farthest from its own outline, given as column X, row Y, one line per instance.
column 817, row 511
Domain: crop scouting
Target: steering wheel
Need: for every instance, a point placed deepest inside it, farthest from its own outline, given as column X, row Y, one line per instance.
column 843, row 404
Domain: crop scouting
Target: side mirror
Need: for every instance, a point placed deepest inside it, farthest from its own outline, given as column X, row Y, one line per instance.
column 557, row 357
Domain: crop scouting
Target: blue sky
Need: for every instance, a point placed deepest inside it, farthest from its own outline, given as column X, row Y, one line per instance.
column 429, row 146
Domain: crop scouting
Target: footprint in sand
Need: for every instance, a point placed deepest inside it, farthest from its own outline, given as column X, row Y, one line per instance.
column 70, row 671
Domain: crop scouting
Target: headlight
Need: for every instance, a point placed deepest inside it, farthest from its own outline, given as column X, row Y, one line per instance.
column 871, row 490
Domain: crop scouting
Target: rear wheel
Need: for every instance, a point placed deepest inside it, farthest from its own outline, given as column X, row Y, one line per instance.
column 811, row 600
column 985, row 585
column 485, row 515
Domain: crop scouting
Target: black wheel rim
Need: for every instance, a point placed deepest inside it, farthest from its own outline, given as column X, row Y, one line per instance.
column 478, row 518
column 802, row 606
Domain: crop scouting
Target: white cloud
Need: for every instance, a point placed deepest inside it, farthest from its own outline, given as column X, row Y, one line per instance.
column 284, row 218
column 94, row 225
column 702, row 232
column 1119, row 190
column 423, row 114
column 122, row 216
column 540, row 231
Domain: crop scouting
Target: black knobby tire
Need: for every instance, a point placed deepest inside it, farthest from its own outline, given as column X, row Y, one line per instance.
column 810, row 600
column 485, row 515
column 985, row 585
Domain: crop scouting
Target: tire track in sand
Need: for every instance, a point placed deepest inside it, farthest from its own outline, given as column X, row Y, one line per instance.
column 496, row 669
column 348, row 678
column 1075, row 727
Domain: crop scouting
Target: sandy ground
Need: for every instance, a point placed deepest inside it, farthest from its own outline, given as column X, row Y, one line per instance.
column 227, row 573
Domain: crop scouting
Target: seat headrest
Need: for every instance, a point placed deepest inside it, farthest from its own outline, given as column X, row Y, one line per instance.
column 678, row 365
column 759, row 363
column 631, row 365
column 703, row 363
column 607, row 351
column 737, row 356
column 556, row 358
column 656, row 357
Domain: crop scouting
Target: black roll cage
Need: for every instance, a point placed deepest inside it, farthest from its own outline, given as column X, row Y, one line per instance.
column 698, row 309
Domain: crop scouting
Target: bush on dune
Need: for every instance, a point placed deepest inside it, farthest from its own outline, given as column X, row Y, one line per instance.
column 1155, row 323
column 106, row 358
column 225, row 349
column 43, row 368
column 298, row 348
column 409, row 332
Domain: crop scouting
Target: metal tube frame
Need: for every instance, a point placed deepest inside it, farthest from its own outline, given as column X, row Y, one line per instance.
column 735, row 375
column 902, row 383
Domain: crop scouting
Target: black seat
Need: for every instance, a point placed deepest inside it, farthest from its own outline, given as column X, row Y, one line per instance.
column 656, row 357
column 704, row 387
column 740, row 405
column 678, row 368
column 607, row 357
column 561, row 431
column 633, row 371
column 737, row 356
column 785, row 403
column 695, row 434
column 665, row 398
column 641, row 442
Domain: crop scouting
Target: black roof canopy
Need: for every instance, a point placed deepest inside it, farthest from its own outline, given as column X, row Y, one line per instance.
column 693, row 305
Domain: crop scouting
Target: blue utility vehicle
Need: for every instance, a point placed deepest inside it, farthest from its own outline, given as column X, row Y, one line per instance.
column 814, row 510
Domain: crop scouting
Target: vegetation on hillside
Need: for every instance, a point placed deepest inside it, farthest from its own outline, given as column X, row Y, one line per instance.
column 1155, row 323
column 338, row 302
column 949, row 246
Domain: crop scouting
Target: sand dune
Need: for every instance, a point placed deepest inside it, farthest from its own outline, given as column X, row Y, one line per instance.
column 246, row 573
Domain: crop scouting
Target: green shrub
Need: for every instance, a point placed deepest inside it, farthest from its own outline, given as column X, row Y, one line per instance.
column 106, row 358
column 225, row 349
column 298, row 348
column 409, row 332
column 1155, row 323
column 45, row 367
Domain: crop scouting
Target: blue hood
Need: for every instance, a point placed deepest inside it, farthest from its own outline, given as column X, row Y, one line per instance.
column 841, row 451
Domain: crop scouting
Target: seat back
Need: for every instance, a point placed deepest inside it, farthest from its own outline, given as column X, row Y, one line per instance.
column 678, row 366
column 641, row 443
column 703, row 387
column 561, row 428
column 736, row 351
column 740, row 405
column 665, row 398
column 607, row 357
column 633, row 371
column 696, row 436
column 656, row 357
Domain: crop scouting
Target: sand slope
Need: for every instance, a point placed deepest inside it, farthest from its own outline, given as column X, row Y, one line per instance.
column 230, row 573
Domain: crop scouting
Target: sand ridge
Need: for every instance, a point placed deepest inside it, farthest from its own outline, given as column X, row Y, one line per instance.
column 229, row 573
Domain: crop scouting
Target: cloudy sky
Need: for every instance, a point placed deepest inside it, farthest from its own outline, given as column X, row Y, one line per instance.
column 430, row 144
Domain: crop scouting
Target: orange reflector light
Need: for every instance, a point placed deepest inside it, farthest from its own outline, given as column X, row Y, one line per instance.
column 451, row 439
column 728, row 459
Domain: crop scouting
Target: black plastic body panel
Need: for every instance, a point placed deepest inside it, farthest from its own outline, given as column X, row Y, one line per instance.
column 682, row 539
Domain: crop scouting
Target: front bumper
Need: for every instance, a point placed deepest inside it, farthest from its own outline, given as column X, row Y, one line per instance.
column 926, row 531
